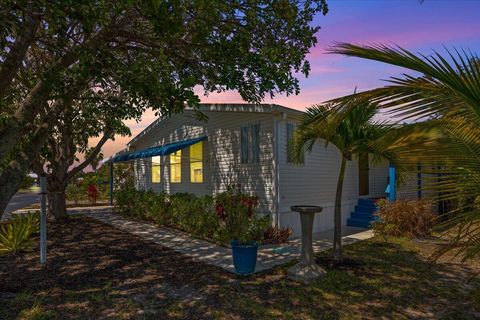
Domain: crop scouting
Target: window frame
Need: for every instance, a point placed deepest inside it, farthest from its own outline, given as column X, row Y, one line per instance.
column 195, row 161
column 179, row 164
column 152, row 168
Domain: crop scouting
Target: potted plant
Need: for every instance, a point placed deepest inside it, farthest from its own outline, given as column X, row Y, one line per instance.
column 237, row 213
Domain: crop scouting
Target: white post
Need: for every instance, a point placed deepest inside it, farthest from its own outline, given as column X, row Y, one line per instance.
column 43, row 219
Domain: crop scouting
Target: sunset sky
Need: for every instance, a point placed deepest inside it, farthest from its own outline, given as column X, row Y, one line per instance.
column 407, row 23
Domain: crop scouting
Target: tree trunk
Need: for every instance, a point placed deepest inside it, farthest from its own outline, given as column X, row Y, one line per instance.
column 337, row 233
column 57, row 206
column 10, row 182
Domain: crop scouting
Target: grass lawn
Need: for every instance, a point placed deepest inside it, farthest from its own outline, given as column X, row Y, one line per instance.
column 95, row 271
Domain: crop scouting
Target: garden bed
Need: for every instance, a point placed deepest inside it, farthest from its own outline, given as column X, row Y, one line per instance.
column 96, row 271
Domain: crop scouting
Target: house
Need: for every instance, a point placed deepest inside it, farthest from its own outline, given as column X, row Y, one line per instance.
column 246, row 144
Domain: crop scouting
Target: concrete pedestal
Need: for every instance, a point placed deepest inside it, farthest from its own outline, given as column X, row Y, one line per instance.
column 306, row 270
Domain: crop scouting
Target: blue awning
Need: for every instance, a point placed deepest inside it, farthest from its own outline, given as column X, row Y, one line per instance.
column 157, row 151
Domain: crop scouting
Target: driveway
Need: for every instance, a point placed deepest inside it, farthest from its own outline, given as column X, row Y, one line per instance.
column 21, row 200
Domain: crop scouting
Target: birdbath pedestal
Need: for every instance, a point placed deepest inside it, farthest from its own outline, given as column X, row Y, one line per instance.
column 306, row 270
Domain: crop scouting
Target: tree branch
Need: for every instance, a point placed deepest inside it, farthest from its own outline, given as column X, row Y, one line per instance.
column 15, row 56
column 107, row 134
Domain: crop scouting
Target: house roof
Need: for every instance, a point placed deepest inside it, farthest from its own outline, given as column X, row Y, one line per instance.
column 226, row 107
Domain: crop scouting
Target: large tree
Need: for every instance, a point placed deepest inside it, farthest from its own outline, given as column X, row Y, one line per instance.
column 96, row 114
column 154, row 51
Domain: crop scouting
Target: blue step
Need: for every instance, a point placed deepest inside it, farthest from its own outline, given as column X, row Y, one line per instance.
column 363, row 214
column 358, row 223
column 365, row 209
column 366, row 202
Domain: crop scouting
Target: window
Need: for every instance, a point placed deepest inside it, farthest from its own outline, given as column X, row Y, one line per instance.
column 156, row 170
column 290, row 136
column 250, row 143
column 176, row 167
column 196, row 163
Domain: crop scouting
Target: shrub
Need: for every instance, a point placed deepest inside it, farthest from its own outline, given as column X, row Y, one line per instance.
column 75, row 193
column 276, row 235
column 409, row 218
column 237, row 214
column 229, row 215
column 125, row 200
column 158, row 210
column 93, row 193
column 18, row 234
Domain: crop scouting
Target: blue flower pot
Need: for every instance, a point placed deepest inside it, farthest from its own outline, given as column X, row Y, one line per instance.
column 244, row 256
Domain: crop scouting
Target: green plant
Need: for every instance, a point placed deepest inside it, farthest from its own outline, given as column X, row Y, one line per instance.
column 75, row 193
column 27, row 182
column 441, row 98
column 408, row 218
column 349, row 126
column 196, row 215
column 18, row 234
column 237, row 214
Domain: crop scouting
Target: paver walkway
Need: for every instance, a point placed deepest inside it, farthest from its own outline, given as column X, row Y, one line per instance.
column 268, row 255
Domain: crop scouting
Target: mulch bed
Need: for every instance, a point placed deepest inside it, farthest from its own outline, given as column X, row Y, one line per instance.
column 95, row 271
column 86, row 257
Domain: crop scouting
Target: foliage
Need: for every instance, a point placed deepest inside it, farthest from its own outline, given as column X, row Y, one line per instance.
column 74, row 72
column 199, row 216
column 77, row 189
column 441, row 100
column 18, row 234
column 349, row 126
column 92, row 192
column 406, row 218
column 123, row 175
column 237, row 214
column 27, row 182
column 75, row 192
column 276, row 235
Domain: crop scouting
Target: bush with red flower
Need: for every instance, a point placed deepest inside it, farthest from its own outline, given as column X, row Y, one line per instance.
column 93, row 193
column 237, row 214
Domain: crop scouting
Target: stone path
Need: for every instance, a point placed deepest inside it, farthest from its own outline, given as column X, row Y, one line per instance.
column 269, row 256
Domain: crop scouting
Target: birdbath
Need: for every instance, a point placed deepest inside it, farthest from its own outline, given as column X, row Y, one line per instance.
column 306, row 270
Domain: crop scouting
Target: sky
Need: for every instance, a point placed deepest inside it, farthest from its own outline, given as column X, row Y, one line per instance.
column 418, row 27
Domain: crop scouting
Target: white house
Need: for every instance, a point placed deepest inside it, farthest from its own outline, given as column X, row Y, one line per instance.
column 247, row 145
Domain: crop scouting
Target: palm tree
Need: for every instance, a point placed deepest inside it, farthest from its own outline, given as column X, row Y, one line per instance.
column 351, row 128
column 443, row 93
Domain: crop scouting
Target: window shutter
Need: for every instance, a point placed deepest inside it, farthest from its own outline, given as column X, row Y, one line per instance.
column 255, row 143
column 244, row 144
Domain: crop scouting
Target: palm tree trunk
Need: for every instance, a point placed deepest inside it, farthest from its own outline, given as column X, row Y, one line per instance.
column 337, row 219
